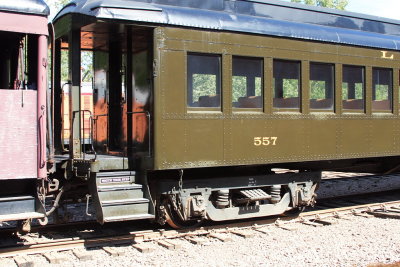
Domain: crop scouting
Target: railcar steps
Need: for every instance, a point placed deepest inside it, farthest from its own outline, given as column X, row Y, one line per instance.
column 118, row 198
column 21, row 207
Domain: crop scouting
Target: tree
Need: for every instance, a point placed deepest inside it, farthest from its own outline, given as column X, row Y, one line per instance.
column 336, row 4
column 56, row 5
column 86, row 56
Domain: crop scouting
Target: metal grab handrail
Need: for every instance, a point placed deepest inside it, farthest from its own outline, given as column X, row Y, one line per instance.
column 82, row 136
column 148, row 115
column 62, row 108
column 101, row 115
column 42, row 129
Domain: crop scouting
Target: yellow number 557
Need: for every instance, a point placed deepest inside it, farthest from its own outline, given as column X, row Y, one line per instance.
column 265, row 141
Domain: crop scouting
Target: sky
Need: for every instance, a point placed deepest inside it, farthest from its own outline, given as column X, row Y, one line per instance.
column 53, row 11
column 382, row 8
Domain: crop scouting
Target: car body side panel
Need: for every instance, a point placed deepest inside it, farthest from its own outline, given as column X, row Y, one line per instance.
column 19, row 134
column 199, row 137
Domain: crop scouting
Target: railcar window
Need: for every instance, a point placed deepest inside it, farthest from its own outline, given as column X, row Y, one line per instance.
column 382, row 89
column 18, row 61
column 353, row 87
column 204, row 80
column 247, row 82
column 286, row 84
column 322, row 86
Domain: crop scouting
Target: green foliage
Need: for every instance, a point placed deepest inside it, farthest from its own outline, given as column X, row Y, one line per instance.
column 204, row 84
column 359, row 91
column 86, row 56
column 239, row 87
column 317, row 89
column 64, row 65
column 336, row 4
column 57, row 4
column 291, row 88
column 87, row 66
column 140, row 72
column 345, row 88
column 381, row 92
column 258, row 85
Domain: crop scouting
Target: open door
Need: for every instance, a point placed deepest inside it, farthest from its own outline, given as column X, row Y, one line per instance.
column 122, row 91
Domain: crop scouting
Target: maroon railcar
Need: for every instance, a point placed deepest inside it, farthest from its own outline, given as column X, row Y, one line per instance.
column 23, row 83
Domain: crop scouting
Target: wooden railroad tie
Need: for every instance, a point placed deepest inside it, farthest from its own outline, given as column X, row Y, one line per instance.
column 263, row 230
column 82, row 254
column 144, row 247
column 221, row 237
column 243, row 233
column 196, row 240
column 55, row 258
column 362, row 214
column 24, row 261
column 285, row 226
column 385, row 214
column 312, row 223
column 7, row 262
column 113, row 251
column 169, row 244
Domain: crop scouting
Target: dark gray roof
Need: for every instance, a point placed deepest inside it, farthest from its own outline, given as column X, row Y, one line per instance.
column 37, row 7
column 267, row 17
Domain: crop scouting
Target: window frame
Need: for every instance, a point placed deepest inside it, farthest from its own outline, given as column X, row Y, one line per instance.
column 297, row 109
column 333, row 87
column 390, row 91
column 363, row 110
column 262, row 71
column 219, row 81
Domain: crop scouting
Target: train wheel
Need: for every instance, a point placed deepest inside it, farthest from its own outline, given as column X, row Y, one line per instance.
column 173, row 220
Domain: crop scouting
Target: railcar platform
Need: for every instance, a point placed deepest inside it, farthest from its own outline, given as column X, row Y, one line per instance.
column 102, row 162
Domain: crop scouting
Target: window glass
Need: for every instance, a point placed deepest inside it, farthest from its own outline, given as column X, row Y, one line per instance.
column 382, row 89
column 322, row 86
column 247, row 82
column 353, row 87
column 204, row 80
column 286, row 84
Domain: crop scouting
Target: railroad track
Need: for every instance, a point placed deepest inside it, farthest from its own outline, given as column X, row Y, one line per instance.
column 326, row 213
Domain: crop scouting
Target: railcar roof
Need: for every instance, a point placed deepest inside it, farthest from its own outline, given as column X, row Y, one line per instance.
column 37, row 7
column 267, row 17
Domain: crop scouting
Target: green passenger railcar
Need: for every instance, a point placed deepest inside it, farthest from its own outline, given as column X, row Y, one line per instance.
column 196, row 103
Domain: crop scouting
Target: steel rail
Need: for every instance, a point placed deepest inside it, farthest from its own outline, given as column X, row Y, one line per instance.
column 343, row 211
column 154, row 235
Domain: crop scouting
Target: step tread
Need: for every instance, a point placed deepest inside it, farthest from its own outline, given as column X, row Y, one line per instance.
column 14, row 198
column 118, row 187
column 21, row 216
column 124, row 202
column 115, row 174
column 129, row 217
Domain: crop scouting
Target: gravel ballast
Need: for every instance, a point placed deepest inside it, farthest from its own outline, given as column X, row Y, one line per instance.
column 354, row 241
